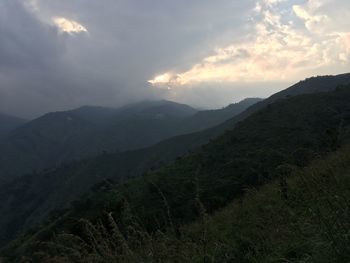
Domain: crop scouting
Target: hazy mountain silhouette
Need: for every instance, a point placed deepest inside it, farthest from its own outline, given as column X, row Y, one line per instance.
column 60, row 137
column 8, row 123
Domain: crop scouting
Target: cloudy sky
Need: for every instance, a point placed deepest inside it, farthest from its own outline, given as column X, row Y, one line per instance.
column 56, row 55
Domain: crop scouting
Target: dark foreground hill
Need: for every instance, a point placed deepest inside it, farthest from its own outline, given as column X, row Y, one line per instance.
column 29, row 199
column 265, row 146
column 309, row 223
column 9, row 123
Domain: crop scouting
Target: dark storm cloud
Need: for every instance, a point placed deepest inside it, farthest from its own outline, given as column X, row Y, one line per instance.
column 128, row 42
column 29, row 53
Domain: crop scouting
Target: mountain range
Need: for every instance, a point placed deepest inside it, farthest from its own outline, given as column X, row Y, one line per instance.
column 35, row 195
column 60, row 137
column 283, row 136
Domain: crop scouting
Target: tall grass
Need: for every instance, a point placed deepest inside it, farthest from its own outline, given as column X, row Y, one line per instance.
column 302, row 217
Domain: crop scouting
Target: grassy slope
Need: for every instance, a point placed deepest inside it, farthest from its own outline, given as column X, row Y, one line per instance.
column 311, row 224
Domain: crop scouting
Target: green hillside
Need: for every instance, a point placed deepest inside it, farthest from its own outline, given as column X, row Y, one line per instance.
column 267, row 145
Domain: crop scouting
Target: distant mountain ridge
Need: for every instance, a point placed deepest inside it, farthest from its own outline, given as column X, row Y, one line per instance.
column 310, row 85
column 60, row 137
column 210, row 118
column 151, row 109
column 8, row 123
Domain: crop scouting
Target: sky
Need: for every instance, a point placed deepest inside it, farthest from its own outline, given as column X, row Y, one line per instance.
column 58, row 55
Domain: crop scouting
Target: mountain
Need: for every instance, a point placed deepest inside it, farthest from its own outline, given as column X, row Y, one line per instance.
column 9, row 123
column 40, row 193
column 60, row 137
column 267, row 145
column 308, row 86
column 147, row 109
column 131, row 136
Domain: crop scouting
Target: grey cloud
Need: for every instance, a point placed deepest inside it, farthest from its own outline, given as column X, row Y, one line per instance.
column 25, row 41
column 128, row 43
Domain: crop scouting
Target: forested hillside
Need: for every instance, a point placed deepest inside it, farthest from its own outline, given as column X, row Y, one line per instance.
column 35, row 195
column 269, row 144
column 304, row 219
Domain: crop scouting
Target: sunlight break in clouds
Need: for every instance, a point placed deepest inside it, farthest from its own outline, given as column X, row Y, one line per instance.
column 69, row 26
column 278, row 50
column 166, row 78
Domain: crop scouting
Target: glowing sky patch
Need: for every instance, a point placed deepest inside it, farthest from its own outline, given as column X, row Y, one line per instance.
column 277, row 49
column 161, row 79
column 69, row 26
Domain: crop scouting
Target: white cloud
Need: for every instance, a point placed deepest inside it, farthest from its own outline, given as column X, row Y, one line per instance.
column 165, row 78
column 279, row 49
column 69, row 26
column 313, row 22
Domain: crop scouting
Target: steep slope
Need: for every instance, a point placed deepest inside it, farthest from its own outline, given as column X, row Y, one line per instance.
column 9, row 123
column 307, row 86
column 294, row 130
